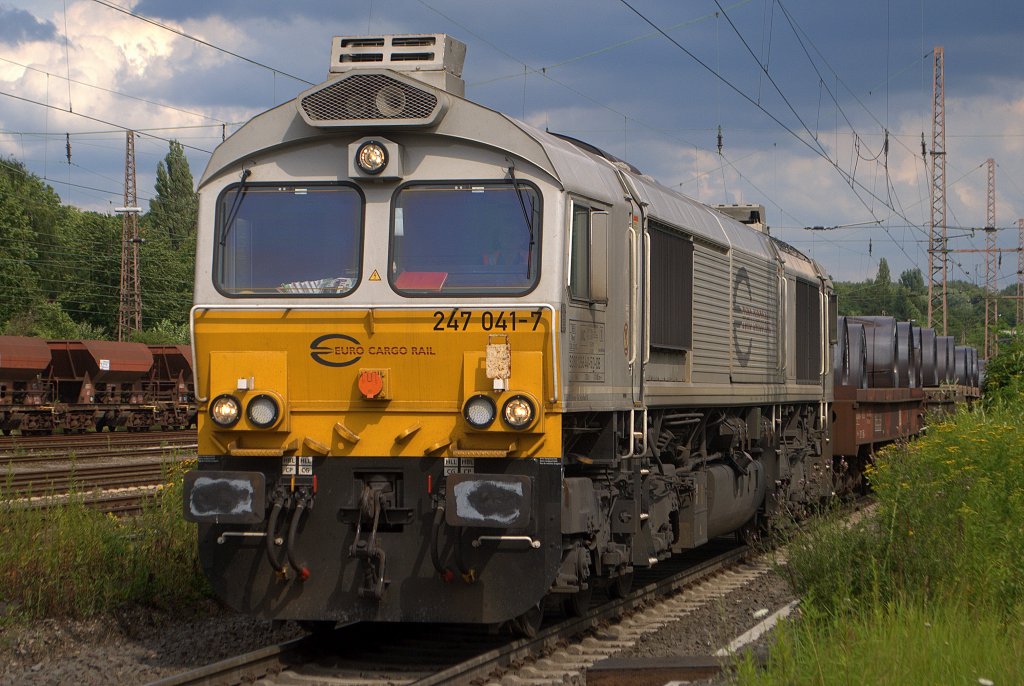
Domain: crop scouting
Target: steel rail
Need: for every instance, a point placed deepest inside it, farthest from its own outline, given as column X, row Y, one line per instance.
column 244, row 668
column 482, row 665
column 18, row 446
column 257, row 664
column 51, row 482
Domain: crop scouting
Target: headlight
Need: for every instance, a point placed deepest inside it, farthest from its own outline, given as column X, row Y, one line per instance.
column 224, row 410
column 262, row 411
column 479, row 411
column 518, row 412
column 372, row 157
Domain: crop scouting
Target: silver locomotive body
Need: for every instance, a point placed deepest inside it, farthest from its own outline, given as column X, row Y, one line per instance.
column 630, row 374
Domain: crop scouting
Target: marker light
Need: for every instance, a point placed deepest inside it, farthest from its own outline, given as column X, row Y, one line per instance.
column 518, row 412
column 372, row 157
column 262, row 411
column 225, row 411
column 479, row 411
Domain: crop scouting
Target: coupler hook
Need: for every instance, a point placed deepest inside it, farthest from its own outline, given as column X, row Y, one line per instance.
column 368, row 551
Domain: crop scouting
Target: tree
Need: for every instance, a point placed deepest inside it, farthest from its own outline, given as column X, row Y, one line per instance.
column 167, row 258
column 19, row 280
column 175, row 208
column 913, row 281
column 1004, row 374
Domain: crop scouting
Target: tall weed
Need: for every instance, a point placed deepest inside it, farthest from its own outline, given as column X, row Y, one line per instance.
column 75, row 561
column 928, row 589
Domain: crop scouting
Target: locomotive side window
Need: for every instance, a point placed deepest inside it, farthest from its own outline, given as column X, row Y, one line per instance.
column 465, row 238
column 579, row 253
column 671, row 288
column 288, row 240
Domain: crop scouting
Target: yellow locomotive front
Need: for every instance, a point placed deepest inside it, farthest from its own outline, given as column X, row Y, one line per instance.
column 376, row 362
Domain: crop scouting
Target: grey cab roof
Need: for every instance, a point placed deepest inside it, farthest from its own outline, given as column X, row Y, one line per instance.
column 573, row 167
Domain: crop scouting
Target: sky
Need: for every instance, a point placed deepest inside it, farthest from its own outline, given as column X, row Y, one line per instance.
column 820, row 104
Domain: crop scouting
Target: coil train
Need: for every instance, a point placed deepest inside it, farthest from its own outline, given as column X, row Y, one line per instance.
column 451, row 367
column 76, row 386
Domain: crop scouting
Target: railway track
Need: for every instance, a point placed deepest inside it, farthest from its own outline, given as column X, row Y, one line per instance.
column 429, row 655
column 18, row 450
column 80, row 478
column 112, row 472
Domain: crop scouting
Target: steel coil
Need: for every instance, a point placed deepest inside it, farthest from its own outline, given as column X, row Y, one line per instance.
column 906, row 355
column 880, row 333
column 858, row 377
column 929, row 358
column 944, row 365
column 961, row 360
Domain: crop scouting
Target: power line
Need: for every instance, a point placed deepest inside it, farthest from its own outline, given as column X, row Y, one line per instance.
column 109, row 90
column 190, row 37
column 850, row 179
column 97, row 119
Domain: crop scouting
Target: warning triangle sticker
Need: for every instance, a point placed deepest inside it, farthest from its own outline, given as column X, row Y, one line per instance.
column 374, row 276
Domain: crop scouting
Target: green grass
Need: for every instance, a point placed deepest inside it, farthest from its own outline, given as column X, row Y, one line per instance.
column 902, row 644
column 74, row 561
column 928, row 589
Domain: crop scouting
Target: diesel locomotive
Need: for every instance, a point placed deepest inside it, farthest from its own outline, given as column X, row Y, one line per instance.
column 451, row 367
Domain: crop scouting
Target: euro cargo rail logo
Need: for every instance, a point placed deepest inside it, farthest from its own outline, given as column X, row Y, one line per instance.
column 336, row 350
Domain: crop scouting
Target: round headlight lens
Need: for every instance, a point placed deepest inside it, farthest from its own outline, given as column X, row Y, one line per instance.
column 372, row 157
column 262, row 411
column 480, row 411
column 518, row 412
column 224, row 410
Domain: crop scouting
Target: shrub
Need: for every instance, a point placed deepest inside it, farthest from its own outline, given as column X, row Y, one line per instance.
column 75, row 561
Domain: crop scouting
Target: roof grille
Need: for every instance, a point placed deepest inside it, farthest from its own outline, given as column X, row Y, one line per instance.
column 369, row 98
column 435, row 58
column 362, row 42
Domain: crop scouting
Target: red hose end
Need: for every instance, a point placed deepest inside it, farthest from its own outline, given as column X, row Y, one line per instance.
column 448, row 576
column 303, row 573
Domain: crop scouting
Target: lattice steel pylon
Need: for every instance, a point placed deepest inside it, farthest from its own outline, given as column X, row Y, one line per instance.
column 129, row 314
column 991, row 266
column 1020, row 275
column 937, row 252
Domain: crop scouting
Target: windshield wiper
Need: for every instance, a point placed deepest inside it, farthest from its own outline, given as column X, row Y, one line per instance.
column 528, row 216
column 236, row 205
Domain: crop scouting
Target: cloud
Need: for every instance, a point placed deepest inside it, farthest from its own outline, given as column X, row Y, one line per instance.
column 20, row 26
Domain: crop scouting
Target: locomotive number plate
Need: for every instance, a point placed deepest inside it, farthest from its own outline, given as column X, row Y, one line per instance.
column 487, row 320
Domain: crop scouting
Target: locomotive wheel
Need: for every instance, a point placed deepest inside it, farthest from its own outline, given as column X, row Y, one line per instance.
column 621, row 585
column 528, row 624
column 576, row 604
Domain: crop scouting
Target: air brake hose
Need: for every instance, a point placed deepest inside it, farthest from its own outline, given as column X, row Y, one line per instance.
column 271, row 537
column 293, row 527
column 435, row 553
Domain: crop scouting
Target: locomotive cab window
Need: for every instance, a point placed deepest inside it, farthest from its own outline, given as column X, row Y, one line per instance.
column 288, row 240
column 588, row 254
column 466, row 238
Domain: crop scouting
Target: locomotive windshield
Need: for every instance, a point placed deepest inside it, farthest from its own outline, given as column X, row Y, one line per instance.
column 288, row 240
column 472, row 238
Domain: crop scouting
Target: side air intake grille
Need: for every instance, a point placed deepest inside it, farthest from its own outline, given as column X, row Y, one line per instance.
column 369, row 97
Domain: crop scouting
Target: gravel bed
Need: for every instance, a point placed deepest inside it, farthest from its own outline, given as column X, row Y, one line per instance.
column 133, row 646
column 137, row 645
column 715, row 625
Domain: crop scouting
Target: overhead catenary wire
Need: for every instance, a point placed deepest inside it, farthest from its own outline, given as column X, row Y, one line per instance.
column 201, row 41
column 817, row 150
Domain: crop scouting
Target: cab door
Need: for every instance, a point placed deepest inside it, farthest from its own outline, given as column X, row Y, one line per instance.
column 638, row 332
